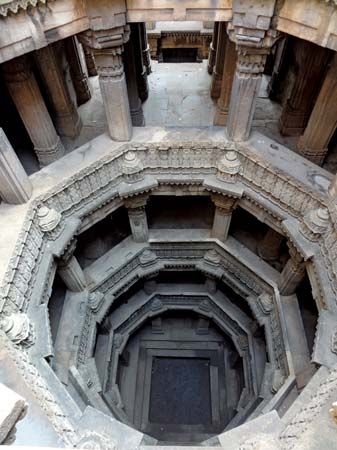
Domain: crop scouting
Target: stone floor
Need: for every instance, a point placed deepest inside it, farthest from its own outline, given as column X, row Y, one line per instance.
column 179, row 96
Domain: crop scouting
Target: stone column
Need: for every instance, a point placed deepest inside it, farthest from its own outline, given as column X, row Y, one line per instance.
column 292, row 273
column 15, row 187
column 138, row 218
column 145, row 48
column 70, row 270
column 67, row 120
column 221, row 113
column 108, row 47
column 212, row 49
column 141, row 73
column 135, row 103
column 90, row 61
column 78, row 76
column 313, row 144
column 224, row 207
column 269, row 247
column 245, row 88
column 310, row 61
column 28, row 100
column 219, row 61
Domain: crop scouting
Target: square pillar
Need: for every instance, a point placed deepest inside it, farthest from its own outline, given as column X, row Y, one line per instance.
column 70, row 270
column 78, row 75
column 224, row 207
column 219, row 60
column 222, row 108
column 212, row 49
column 138, row 218
column 292, row 273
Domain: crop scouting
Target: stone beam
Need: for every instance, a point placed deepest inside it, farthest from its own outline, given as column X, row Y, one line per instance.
column 182, row 10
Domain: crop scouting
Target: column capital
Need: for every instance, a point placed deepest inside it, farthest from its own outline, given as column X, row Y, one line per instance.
column 113, row 38
column 224, row 203
column 137, row 202
column 68, row 252
column 296, row 258
column 17, row 69
column 251, row 23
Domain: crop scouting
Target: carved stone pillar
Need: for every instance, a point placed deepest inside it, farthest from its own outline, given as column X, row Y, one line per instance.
column 269, row 247
column 145, row 48
column 15, row 187
column 141, row 73
column 28, row 100
column 224, row 207
column 310, row 61
column 70, row 270
column 245, row 88
column 323, row 119
column 212, row 49
column 292, row 273
column 67, row 120
column 108, row 47
column 251, row 31
column 219, row 61
column 78, row 76
column 138, row 218
column 90, row 61
column 135, row 103
column 221, row 113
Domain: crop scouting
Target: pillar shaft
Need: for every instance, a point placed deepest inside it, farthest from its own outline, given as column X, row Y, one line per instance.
column 78, row 76
column 72, row 275
column 135, row 103
column 145, row 48
column 310, row 62
column 292, row 273
column 313, row 144
column 245, row 88
column 221, row 113
column 269, row 247
column 114, row 92
column 224, row 207
column 15, row 187
column 212, row 49
column 219, row 61
column 90, row 61
column 67, row 120
column 138, row 219
column 141, row 73
column 28, row 100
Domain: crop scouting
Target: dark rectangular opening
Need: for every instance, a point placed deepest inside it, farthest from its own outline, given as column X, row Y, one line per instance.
column 180, row 55
column 180, row 391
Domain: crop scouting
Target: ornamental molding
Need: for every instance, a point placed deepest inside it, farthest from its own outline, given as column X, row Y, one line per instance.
column 13, row 6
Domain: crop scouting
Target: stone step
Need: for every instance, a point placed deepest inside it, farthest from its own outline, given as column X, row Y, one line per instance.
column 121, row 435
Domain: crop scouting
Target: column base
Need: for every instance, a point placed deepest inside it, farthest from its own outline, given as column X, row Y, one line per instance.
column 221, row 116
column 293, row 123
column 143, row 87
column 82, row 88
column 137, row 117
column 317, row 156
column 69, row 125
column 147, row 60
column 49, row 155
column 216, row 85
